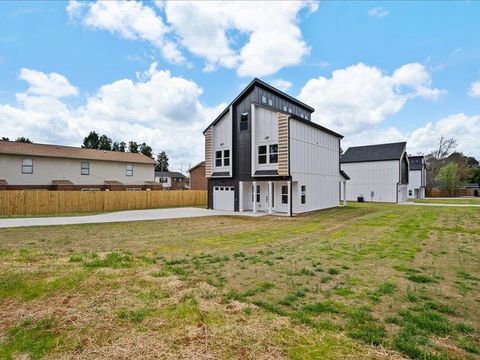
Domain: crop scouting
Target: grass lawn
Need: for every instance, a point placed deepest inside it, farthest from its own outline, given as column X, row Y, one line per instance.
column 469, row 201
column 366, row 281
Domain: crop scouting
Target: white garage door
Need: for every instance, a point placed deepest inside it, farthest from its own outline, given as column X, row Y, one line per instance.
column 223, row 198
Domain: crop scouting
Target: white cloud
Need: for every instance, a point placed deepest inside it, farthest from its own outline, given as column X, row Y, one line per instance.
column 270, row 31
column 158, row 108
column 474, row 89
column 282, row 85
column 360, row 96
column 464, row 128
column 53, row 84
column 129, row 19
column 378, row 12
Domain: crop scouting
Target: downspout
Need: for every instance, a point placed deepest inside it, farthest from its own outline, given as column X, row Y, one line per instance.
column 289, row 175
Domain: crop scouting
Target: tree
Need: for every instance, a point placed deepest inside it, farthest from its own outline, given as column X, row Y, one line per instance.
column 476, row 176
column 133, row 146
column 162, row 162
column 23, row 140
column 472, row 162
column 104, row 143
column 123, row 146
column 91, row 141
column 448, row 177
column 146, row 150
column 5, row 138
column 436, row 159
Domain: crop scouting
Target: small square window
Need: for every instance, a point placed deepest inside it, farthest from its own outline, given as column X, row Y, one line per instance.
column 84, row 168
column 264, row 99
column 244, row 121
column 262, row 154
column 129, row 170
column 270, row 102
column 27, row 166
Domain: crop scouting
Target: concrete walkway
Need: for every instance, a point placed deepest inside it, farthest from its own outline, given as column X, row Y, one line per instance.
column 120, row 216
column 411, row 203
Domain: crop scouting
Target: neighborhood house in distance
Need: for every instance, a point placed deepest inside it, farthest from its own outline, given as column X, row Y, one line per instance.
column 171, row 180
column 263, row 153
column 377, row 172
column 55, row 167
column 417, row 179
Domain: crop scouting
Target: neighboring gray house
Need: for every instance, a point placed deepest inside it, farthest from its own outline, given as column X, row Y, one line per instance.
column 377, row 172
column 417, row 179
column 55, row 167
column 264, row 153
column 171, row 180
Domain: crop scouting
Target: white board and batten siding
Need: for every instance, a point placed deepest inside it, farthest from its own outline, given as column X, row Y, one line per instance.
column 222, row 140
column 375, row 181
column 314, row 158
column 416, row 185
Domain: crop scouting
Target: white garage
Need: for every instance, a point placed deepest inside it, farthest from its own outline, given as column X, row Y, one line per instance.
column 224, row 198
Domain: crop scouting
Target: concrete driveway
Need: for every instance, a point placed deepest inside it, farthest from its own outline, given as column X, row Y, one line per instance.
column 120, row 216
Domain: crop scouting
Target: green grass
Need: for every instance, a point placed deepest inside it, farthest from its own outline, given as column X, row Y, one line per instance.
column 331, row 284
column 462, row 201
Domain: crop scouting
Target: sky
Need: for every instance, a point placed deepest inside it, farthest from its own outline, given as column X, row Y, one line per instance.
column 160, row 72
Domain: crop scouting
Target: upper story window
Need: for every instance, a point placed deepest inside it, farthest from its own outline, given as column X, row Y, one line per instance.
column 285, row 108
column 268, row 154
column 222, row 158
column 27, row 166
column 85, row 168
column 129, row 170
column 264, row 99
column 270, row 102
column 290, row 110
column 302, row 115
column 303, row 194
column 244, row 121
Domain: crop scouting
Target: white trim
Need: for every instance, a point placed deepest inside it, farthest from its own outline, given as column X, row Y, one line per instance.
column 240, row 196
column 252, row 137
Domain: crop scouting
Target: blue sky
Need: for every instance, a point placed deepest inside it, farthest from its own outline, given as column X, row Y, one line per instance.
column 375, row 71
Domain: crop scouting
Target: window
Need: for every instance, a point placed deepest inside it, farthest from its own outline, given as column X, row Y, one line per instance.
column 289, row 110
column 273, row 149
column 218, row 158
column 409, row 192
column 302, row 115
column 303, row 194
column 284, row 194
column 163, row 180
column 270, row 102
column 268, row 158
column 129, row 170
column 285, row 108
column 244, row 121
column 262, row 154
column 226, row 157
column 264, row 99
column 27, row 166
column 258, row 193
column 85, row 168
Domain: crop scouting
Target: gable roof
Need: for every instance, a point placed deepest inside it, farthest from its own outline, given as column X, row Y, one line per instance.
column 266, row 86
column 174, row 174
column 201, row 163
column 70, row 152
column 416, row 162
column 380, row 152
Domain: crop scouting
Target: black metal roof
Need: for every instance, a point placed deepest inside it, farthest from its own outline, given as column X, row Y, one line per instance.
column 266, row 86
column 380, row 152
column 416, row 162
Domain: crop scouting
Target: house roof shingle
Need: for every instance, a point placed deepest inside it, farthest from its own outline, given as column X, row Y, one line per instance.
column 174, row 174
column 380, row 152
column 201, row 163
column 416, row 162
column 70, row 152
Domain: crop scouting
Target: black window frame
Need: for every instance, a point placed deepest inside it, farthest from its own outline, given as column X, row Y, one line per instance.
column 262, row 154
column 85, row 170
column 303, row 194
column 244, row 122
column 274, row 154
column 284, row 194
column 218, row 159
column 30, row 167
column 226, row 159
column 258, row 194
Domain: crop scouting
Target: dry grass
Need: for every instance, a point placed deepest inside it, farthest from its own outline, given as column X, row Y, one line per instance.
column 368, row 281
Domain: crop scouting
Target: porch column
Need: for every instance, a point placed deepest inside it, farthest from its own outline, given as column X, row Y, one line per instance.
column 289, row 211
column 240, row 196
column 254, row 197
column 345, row 193
column 270, row 210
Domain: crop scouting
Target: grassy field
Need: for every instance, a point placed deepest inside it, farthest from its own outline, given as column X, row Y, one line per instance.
column 470, row 201
column 366, row 281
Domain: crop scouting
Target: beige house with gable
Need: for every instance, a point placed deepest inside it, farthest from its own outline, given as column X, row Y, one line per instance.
column 55, row 167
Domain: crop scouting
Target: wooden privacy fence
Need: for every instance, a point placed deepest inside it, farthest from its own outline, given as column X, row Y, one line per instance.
column 25, row 202
column 435, row 192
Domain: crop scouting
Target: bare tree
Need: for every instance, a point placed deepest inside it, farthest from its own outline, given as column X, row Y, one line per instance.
column 436, row 159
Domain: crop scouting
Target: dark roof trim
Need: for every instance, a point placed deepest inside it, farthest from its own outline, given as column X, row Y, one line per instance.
column 221, row 174
column 265, row 86
column 372, row 153
column 344, row 174
column 173, row 174
column 315, row 125
column 195, row 166
column 266, row 173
